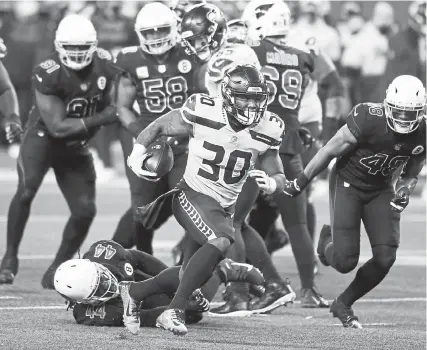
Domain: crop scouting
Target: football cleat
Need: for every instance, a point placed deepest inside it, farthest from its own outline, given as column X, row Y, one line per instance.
column 8, row 270
column 235, row 306
column 311, row 298
column 345, row 314
column 231, row 271
column 130, row 309
column 172, row 320
column 276, row 294
column 197, row 302
column 324, row 238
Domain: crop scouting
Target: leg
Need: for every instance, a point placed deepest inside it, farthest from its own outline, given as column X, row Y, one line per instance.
column 76, row 179
column 384, row 236
column 33, row 162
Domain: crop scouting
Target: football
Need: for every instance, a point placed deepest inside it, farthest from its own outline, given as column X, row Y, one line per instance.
column 160, row 160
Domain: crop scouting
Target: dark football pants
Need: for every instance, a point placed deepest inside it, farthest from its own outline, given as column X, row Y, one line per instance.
column 349, row 207
column 75, row 175
column 144, row 192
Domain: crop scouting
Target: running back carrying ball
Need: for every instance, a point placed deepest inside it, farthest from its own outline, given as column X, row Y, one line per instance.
column 160, row 159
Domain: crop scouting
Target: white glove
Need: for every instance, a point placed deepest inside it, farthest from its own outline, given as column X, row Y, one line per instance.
column 136, row 161
column 264, row 182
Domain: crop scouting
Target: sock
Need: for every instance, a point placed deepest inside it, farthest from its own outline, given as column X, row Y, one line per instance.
column 367, row 278
column 302, row 247
column 123, row 234
column 74, row 234
column 166, row 282
column 148, row 317
column 17, row 218
column 198, row 271
column 257, row 254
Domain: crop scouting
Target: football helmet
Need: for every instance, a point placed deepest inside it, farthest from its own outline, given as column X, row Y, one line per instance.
column 203, row 30
column 417, row 16
column 267, row 18
column 156, row 27
column 75, row 41
column 237, row 31
column 245, row 94
column 405, row 104
column 84, row 281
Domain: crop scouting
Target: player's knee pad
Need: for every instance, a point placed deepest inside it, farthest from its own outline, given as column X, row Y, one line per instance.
column 222, row 243
column 85, row 208
column 384, row 256
column 345, row 263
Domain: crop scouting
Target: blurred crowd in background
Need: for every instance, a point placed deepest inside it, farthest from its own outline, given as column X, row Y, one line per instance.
column 371, row 42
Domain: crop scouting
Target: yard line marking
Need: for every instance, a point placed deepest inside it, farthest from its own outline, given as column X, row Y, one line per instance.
column 366, row 324
column 362, row 301
column 50, row 307
column 9, row 297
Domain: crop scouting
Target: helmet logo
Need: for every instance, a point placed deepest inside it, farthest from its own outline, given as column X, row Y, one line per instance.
column 418, row 150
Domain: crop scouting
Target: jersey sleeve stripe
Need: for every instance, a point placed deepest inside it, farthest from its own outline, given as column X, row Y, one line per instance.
column 264, row 138
column 195, row 119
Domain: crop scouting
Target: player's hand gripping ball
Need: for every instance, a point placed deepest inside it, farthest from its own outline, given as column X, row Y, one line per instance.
column 156, row 162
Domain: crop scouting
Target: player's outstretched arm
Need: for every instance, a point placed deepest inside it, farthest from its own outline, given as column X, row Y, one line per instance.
column 341, row 143
column 125, row 97
column 54, row 115
column 9, row 107
column 270, row 178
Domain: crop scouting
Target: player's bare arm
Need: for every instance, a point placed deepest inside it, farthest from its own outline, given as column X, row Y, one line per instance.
column 9, row 107
column 54, row 115
column 340, row 144
column 169, row 124
column 125, row 97
column 270, row 177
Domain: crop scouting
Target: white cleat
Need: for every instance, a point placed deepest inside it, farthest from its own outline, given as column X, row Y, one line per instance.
column 130, row 309
column 172, row 320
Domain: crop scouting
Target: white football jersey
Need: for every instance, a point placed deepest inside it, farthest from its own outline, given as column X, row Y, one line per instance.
column 231, row 54
column 218, row 157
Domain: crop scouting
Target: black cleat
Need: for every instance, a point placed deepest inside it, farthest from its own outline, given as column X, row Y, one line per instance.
column 197, row 302
column 345, row 314
column 9, row 269
column 276, row 294
column 48, row 278
column 276, row 239
column 324, row 238
column 235, row 306
column 311, row 298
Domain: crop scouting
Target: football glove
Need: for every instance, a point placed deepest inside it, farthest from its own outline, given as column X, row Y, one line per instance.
column 136, row 161
column 306, row 137
column 400, row 200
column 295, row 187
column 266, row 183
column 13, row 129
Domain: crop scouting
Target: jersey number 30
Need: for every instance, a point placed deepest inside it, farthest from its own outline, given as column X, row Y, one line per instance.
column 157, row 100
column 230, row 170
column 291, row 83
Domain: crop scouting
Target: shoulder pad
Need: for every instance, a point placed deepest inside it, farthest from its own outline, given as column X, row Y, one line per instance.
column 269, row 130
column 45, row 76
column 203, row 109
column 104, row 54
column 360, row 116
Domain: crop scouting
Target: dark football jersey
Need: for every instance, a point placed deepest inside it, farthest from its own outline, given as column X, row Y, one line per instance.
column 380, row 150
column 114, row 257
column 84, row 92
column 287, row 68
column 160, row 85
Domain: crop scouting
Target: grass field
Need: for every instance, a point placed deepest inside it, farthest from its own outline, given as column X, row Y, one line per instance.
column 394, row 314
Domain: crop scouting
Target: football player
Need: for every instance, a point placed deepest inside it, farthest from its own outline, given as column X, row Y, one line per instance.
column 204, row 33
column 228, row 135
column 378, row 139
column 92, row 284
column 287, row 66
column 72, row 101
column 158, row 76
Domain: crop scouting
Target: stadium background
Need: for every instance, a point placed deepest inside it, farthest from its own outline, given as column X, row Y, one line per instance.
column 394, row 313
